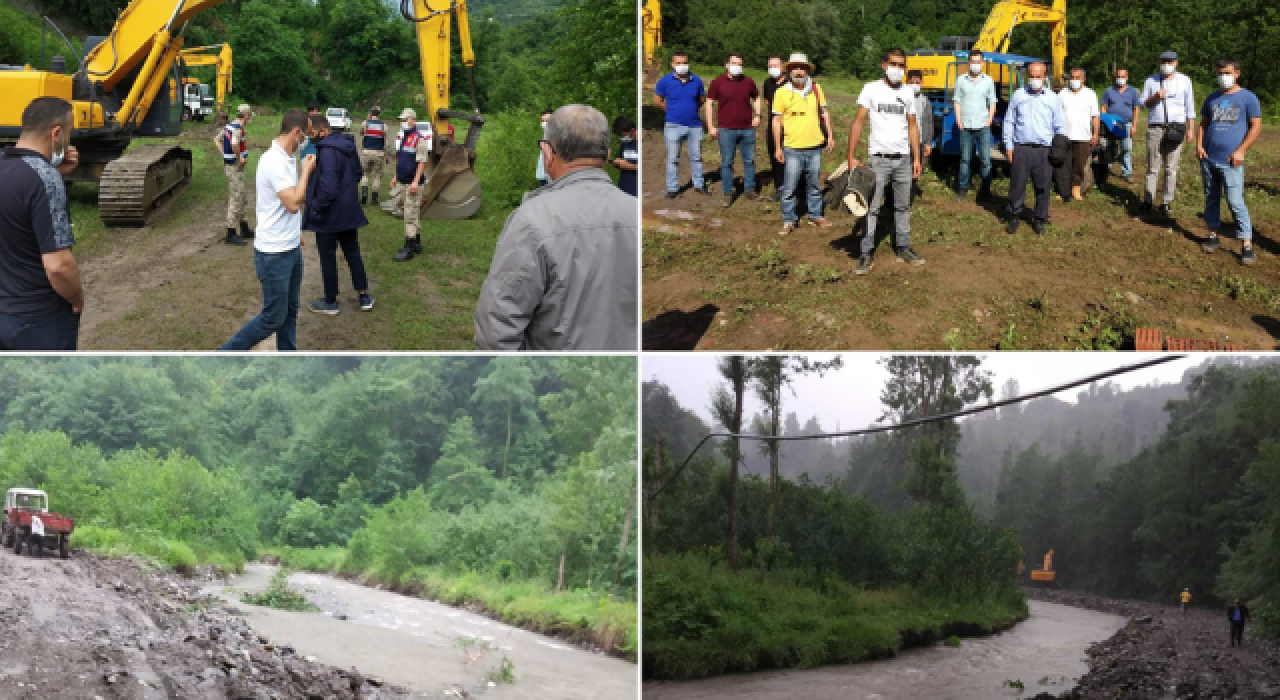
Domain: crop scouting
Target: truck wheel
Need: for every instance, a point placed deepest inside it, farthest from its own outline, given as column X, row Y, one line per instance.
column 64, row 546
column 36, row 547
column 17, row 542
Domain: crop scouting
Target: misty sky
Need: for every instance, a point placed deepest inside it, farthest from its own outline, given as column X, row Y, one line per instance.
column 850, row 397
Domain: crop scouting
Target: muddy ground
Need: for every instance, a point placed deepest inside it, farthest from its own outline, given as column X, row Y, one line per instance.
column 1165, row 653
column 95, row 628
column 724, row 279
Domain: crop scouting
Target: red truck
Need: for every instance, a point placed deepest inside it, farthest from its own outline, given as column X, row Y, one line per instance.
column 27, row 520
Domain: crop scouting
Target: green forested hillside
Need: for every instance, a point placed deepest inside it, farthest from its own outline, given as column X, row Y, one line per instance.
column 850, row 37
column 502, row 471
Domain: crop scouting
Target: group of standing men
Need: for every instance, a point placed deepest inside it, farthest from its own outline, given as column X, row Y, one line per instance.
column 1037, row 123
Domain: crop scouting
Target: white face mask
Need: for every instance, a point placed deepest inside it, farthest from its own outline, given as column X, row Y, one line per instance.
column 56, row 159
column 915, row 89
column 404, row 126
column 1035, row 83
column 682, row 69
column 1226, row 81
column 893, row 73
column 975, row 68
column 1167, row 68
column 1075, row 84
column 775, row 72
column 735, row 69
column 1121, row 81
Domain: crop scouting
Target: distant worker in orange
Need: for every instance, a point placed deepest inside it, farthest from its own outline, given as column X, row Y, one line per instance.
column 1186, row 598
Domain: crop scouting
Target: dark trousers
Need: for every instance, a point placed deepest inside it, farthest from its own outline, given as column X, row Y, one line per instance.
column 1080, row 157
column 57, row 330
column 327, row 247
column 1237, row 633
column 1030, row 162
column 779, row 168
column 281, row 278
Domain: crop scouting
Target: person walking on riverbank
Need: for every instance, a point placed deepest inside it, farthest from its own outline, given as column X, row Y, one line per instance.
column 1186, row 598
column 1237, row 615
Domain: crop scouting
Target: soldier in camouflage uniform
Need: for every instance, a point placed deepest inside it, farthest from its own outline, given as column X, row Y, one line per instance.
column 234, row 146
column 411, row 164
column 374, row 151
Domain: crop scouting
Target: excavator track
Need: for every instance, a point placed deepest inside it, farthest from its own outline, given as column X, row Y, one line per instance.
column 135, row 185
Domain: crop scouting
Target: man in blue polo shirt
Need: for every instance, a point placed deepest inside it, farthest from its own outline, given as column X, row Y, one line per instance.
column 1033, row 118
column 1123, row 101
column 1231, row 120
column 680, row 94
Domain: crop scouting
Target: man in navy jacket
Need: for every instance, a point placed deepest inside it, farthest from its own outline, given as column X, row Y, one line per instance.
column 334, row 213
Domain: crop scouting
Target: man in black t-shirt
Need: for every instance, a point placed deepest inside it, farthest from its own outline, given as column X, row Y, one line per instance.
column 628, row 163
column 769, row 86
column 40, row 292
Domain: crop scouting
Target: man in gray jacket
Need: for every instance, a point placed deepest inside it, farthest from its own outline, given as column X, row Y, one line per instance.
column 564, row 274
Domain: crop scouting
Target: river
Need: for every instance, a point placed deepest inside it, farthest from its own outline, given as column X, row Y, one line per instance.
column 1045, row 652
column 433, row 649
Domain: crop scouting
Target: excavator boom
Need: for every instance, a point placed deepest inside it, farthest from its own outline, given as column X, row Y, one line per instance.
column 652, row 30
column 1007, row 15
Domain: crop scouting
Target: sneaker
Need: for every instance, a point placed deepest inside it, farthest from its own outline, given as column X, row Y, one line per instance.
column 820, row 222
column 233, row 238
column 907, row 255
column 787, row 227
column 366, row 302
column 1038, row 226
column 1012, row 226
column 865, row 263
column 1165, row 212
column 704, row 189
column 1248, row 257
column 961, row 195
column 1211, row 245
column 672, row 195
column 322, row 306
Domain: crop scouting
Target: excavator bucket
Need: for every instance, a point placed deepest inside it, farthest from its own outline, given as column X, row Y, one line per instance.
column 453, row 192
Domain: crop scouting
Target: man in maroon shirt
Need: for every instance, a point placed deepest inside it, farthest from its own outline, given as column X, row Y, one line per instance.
column 739, row 113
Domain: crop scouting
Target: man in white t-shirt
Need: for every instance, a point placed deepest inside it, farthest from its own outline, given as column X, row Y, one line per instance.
column 893, row 154
column 277, row 254
column 1170, row 100
column 1080, row 108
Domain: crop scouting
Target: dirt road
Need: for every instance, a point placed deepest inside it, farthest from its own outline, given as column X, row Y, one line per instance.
column 1046, row 651
column 429, row 647
column 1162, row 652
column 94, row 629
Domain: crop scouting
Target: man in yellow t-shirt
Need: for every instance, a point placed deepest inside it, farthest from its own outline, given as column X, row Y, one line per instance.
column 800, row 126
column 1186, row 598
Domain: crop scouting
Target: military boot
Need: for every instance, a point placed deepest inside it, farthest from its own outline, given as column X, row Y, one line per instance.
column 416, row 241
column 375, row 198
column 364, row 196
column 233, row 238
column 245, row 231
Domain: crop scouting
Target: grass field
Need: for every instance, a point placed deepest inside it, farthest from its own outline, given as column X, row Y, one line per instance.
column 174, row 286
column 702, row 620
column 723, row 279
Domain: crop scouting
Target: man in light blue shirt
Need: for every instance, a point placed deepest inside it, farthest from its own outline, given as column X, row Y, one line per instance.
column 975, row 102
column 1033, row 118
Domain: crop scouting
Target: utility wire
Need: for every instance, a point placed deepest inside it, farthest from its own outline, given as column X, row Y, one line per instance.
column 927, row 419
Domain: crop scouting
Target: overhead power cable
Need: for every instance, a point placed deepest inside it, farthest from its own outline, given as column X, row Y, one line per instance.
column 980, row 408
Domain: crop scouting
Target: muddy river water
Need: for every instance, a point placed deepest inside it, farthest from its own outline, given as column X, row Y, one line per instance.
column 435, row 650
column 1044, row 652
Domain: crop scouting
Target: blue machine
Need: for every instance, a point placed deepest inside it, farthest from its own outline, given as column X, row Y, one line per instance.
column 1007, row 70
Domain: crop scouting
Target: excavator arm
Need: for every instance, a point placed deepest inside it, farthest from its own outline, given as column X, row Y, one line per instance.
column 1008, row 14
column 204, row 56
column 652, row 30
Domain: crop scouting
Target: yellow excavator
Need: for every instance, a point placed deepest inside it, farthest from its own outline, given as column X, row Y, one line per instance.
column 652, row 16
column 452, row 188
column 995, row 37
column 221, row 61
column 1046, row 576
column 117, row 93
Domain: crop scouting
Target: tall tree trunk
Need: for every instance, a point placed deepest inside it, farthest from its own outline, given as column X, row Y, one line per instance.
column 651, row 510
column 563, row 553
column 731, row 546
column 626, row 534
column 507, row 449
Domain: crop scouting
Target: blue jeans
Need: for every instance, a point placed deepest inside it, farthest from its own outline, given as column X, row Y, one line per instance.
column 984, row 156
column 743, row 140
column 1217, row 178
column 806, row 162
column 1126, row 156
column 281, row 278
column 675, row 134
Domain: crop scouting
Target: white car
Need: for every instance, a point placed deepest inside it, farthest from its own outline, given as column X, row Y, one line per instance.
column 338, row 119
